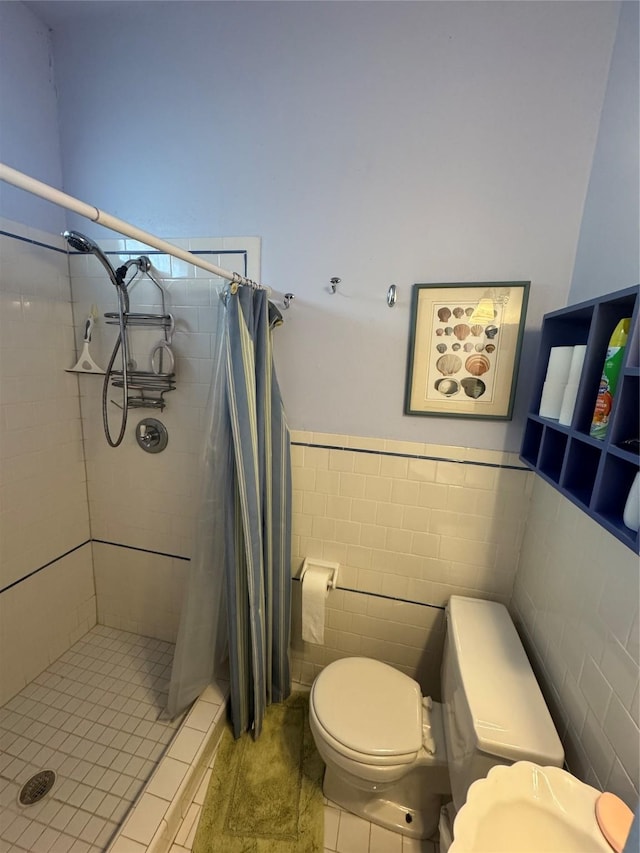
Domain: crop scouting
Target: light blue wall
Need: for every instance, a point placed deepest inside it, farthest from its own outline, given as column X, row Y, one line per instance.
column 383, row 142
column 608, row 256
column 29, row 137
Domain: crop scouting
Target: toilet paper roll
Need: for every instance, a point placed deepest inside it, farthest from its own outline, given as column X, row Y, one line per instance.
column 315, row 588
column 568, row 403
column 575, row 369
column 559, row 365
column 631, row 515
column 551, row 402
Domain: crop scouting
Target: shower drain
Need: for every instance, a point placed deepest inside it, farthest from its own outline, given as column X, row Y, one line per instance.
column 34, row 789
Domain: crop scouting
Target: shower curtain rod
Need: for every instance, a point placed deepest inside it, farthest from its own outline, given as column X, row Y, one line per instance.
column 89, row 211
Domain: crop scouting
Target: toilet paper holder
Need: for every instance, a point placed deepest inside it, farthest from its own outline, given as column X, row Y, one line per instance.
column 311, row 563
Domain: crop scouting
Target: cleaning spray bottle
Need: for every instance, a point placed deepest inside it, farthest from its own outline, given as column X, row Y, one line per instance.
column 609, row 380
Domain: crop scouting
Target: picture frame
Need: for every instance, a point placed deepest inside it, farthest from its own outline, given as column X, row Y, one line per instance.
column 464, row 349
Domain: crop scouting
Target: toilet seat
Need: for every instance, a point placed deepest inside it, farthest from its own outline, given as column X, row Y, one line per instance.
column 368, row 711
column 352, row 755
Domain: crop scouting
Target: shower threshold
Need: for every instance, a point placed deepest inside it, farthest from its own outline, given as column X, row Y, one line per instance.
column 121, row 774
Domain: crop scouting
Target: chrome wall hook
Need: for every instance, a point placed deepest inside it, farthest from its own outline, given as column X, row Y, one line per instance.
column 288, row 297
column 392, row 295
column 334, row 282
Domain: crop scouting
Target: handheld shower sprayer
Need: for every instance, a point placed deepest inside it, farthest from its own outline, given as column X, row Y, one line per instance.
column 156, row 380
column 84, row 244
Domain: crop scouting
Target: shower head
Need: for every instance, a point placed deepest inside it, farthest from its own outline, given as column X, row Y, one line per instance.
column 79, row 242
column 83, row 244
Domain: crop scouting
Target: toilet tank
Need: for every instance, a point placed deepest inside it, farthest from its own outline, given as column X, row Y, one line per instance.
column 494, row 711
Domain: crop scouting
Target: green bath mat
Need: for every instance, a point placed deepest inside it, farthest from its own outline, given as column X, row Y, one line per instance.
column 265, row 796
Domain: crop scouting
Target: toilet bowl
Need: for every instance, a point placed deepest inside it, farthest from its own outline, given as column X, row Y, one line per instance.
column 395, row 757
column 382, row 744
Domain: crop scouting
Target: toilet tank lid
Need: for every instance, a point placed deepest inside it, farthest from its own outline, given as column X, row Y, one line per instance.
column 369, row 706
column 510, row 717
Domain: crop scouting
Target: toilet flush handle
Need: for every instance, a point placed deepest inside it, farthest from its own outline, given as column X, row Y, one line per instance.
column 428, row 741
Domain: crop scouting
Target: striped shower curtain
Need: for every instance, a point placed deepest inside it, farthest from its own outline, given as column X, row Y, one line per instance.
column 258, row 523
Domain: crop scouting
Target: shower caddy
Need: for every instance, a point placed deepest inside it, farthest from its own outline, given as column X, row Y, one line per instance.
column 150, row 385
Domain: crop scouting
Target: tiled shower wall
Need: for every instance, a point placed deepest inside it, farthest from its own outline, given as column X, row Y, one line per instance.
column 410, row 525
column 576, row 603
column 47, row 597
column 142, row 505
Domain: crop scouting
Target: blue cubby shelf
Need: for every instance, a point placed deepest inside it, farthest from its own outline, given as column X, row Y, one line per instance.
column 594, row 474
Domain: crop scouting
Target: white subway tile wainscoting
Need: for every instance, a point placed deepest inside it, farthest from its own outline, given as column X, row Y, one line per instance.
column 577, row 605
column 410, row 525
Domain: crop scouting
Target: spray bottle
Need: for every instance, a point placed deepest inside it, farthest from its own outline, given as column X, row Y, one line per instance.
column 609, row 380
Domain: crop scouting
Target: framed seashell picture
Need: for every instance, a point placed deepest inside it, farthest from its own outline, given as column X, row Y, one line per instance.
column 464, row 349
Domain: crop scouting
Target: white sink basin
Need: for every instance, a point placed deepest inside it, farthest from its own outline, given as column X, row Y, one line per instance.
column 525, row 808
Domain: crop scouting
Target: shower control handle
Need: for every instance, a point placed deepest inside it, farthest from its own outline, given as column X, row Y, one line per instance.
column 152, row 435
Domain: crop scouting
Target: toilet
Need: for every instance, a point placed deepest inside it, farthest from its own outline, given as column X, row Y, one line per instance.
column 395, row 757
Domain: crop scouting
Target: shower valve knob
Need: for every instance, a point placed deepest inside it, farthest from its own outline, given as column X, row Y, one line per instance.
column 152, row 435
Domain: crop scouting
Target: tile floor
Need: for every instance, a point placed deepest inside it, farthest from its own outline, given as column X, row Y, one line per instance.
column 343, row 832
column 92, row 717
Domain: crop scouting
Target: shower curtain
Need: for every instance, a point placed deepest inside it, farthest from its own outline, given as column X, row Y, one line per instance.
column 238, row 596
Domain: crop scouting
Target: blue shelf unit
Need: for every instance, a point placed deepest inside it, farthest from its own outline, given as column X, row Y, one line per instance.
column 594, row 474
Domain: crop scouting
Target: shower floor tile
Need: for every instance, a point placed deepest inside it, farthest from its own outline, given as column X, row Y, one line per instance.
column 92, row 718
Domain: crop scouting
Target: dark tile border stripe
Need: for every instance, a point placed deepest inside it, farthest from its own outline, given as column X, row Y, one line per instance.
column 196, row 252
column 45, row 566
column 33, row 242
column 386, row 597
column 144, row 550
column 409, row 455
column 89, row 542
column 188, row 560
